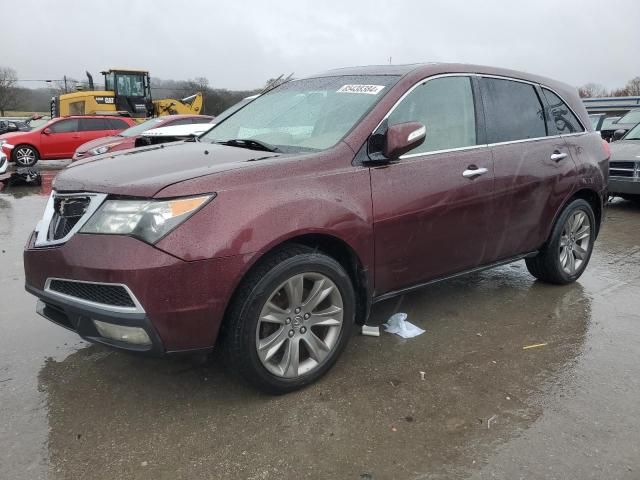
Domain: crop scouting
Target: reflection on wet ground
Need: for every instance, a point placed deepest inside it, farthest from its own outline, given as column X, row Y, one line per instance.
column 567, row 409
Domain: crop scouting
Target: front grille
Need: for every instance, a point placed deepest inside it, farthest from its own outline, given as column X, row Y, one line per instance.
column 67, row 211
column 105, row 294
column 622, row 169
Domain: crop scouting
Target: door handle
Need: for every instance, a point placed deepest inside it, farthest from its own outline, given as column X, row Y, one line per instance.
column 557, row 156
column 474, row 172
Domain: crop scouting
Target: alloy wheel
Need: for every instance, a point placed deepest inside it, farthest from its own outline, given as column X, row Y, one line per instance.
column 25, row 156
column 575, row 242
column 299, row 325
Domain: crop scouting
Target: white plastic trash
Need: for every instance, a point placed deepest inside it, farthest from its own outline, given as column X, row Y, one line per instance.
column 398, row 324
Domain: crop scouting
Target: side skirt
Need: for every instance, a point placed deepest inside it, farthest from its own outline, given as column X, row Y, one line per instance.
column 395, row 293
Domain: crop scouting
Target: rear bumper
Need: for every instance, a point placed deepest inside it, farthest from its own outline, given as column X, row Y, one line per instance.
column 182, row 304
column 629, row 186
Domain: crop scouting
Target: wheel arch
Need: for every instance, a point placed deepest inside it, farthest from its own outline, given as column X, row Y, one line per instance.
column 591, row 197
column 330, row 245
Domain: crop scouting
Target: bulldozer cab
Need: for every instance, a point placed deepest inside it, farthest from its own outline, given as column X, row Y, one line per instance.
column 132, row 89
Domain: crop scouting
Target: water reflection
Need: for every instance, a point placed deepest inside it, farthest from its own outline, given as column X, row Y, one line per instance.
column 27, row 181
column 115, row 415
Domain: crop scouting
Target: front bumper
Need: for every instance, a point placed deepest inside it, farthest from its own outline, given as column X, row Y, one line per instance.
column 628, row 186
column 181, row 303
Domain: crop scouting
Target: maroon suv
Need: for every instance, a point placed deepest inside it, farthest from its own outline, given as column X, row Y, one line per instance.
column 275, row 231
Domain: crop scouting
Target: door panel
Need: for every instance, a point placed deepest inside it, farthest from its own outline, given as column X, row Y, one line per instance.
column 533, row 168
column 429, row 220
column 60, row 142
column 529, row 188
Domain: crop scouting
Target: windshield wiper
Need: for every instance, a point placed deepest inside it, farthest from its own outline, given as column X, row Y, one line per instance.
column 250, row 144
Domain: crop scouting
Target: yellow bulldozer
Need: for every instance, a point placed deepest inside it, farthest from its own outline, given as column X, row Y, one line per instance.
column 127, row 93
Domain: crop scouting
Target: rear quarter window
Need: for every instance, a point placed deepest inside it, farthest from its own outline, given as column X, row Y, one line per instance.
column 562, row 119
column 513, row 110
column 117, row 124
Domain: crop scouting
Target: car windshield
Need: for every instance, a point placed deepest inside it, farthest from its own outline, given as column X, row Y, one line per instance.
column 609, row 123
column 140, row 128
column 303, row 115
column 631, row 117
column 633, row 134
column 594, row 120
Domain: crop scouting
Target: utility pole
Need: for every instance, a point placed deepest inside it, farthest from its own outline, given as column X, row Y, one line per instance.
column 65, row 84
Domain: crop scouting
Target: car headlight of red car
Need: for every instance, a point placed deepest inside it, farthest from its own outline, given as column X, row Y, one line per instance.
column 103, row 148
column 149, row 220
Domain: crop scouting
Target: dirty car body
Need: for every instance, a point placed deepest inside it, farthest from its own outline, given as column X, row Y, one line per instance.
column 282, row 224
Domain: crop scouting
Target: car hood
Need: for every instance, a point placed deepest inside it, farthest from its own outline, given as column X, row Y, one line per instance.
column 143, row 172
column 10, row 135
column 625, row 150
column 98, row 142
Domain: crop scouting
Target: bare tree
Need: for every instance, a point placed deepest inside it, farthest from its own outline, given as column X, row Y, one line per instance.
column 8, row 90
column 592, row 90
column 633, row 87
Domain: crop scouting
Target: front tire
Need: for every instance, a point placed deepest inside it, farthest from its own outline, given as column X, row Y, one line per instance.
column 290, row 320
column 25, row 156
column 566, row 255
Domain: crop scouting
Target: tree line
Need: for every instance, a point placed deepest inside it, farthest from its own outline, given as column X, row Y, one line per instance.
column 14, row 97
column 591, row 90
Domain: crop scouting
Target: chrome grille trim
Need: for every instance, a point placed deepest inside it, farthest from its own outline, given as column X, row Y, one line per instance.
column 625, row 169
column 103, row 306
column 42, row 229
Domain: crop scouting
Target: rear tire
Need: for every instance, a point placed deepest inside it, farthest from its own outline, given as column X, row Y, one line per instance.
column 566, row 255
column 25, row 156
column 290, row 320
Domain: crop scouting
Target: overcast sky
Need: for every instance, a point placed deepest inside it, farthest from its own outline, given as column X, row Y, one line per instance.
column 240, row 44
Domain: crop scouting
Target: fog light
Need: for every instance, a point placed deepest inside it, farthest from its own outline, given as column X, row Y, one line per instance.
column 134, row 335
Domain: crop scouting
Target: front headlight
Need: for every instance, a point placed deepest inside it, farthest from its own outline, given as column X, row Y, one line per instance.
column 102, row 149
column 149, row 220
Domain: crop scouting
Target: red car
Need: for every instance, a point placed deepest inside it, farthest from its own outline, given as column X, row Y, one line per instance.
column 127, row 138
column 59, row 137
column 277, row 229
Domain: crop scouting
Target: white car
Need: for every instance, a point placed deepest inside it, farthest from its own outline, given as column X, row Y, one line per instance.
column 4, row 164
column 179, row 131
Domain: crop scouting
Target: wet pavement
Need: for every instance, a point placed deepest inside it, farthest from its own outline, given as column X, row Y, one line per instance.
column 486, row 407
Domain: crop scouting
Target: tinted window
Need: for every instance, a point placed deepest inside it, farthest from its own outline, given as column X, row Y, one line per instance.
column 117, row 124
column 65, row 126
column 445, row 107
column 560, row 114
column 93, row 124
column 512, row 110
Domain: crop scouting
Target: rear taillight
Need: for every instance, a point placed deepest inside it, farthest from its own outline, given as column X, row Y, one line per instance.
column 606, row 149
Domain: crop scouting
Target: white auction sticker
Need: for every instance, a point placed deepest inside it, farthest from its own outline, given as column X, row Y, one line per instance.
column 368, row 89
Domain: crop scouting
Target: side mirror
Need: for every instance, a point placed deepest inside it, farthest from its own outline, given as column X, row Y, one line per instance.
column 402, row 138
column 47, row 131
column 618, row 134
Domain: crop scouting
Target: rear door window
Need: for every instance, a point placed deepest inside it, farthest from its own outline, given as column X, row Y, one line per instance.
column 513, row 110
column 93, row 124
column 562, row 118
column 445, row 106
column 65, row 126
